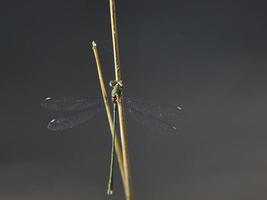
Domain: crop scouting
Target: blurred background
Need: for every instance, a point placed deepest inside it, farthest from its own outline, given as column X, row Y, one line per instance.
column 209, row 56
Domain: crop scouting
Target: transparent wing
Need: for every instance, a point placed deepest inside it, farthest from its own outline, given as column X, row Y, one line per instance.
column 162, row 111
column 63, row 123
column 151, row 122
column 69, row 103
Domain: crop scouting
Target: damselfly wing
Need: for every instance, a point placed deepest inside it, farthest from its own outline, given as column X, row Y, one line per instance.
column 154, row 116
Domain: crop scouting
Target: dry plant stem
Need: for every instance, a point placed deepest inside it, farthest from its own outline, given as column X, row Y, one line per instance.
column 108, row 111
column 128, row 189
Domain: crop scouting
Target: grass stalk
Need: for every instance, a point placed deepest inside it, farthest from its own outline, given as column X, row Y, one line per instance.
column 128, row 189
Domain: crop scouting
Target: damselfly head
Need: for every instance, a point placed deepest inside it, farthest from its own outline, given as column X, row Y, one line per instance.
column 115, row 82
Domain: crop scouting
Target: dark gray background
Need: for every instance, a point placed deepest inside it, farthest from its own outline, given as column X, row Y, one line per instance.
column 209, row 56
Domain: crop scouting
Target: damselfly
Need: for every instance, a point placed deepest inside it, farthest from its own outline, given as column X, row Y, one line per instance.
column 158, row 117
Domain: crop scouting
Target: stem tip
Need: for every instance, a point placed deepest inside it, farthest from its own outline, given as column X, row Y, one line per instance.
column 94, row 44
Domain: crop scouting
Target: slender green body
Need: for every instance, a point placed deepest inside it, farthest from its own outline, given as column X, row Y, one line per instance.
column 115, row 95
column 111, row 167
